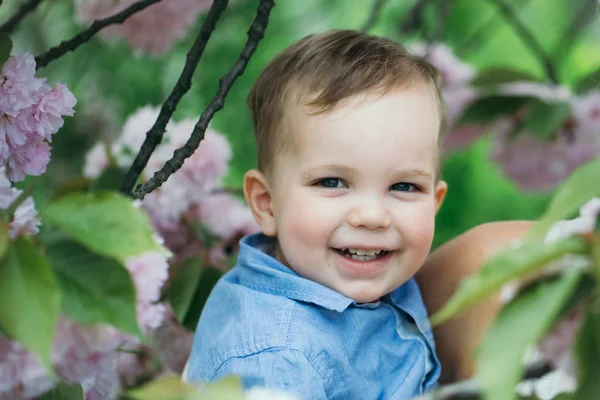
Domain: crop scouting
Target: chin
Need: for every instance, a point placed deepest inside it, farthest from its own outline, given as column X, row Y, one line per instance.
column 365, row 296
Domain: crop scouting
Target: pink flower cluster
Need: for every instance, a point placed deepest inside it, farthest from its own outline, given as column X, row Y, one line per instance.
column 25, row 220
column 191, row 195
column 534, row 163
column 153, row 30
column 458, row 94
column 30, row 113
column 149, row 272
column 80, row 353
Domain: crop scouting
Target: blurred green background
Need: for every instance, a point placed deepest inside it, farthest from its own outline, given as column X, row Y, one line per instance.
column 111, row 82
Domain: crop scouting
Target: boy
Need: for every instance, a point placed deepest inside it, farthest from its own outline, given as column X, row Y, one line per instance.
column 323, row 302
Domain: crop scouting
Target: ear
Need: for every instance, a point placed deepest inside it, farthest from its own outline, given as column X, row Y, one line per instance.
column 441, row 188
column 258, row 197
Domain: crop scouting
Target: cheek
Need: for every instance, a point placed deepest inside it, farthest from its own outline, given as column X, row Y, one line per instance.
column 419, row 226
column 305, row 222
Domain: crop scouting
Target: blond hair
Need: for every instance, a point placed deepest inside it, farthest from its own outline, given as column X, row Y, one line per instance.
column 320, row 71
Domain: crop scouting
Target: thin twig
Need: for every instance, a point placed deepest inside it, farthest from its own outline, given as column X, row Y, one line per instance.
column 69, row 45
column 184, row 83
column 415, row 17
column 21, row 12
column 255, row 34
column 586, row 13
column 444, row 8
column 511, row 16
column 374, row 15
column 481, row 33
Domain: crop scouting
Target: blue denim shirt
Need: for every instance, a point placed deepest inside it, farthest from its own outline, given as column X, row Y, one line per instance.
column 273, row 328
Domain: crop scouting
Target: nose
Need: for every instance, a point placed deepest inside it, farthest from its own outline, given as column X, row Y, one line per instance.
column 371, row 215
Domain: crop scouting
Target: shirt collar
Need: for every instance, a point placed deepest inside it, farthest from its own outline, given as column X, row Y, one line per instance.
column 260, row 270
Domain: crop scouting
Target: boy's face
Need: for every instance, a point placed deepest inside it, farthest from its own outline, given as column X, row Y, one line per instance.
column 353, row 202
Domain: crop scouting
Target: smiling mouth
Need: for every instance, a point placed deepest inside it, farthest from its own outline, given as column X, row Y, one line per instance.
column 362, row 255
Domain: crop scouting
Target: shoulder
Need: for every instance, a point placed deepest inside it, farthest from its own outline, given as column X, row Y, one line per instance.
column 276, row 368
column 240, row 325
column 439, row 278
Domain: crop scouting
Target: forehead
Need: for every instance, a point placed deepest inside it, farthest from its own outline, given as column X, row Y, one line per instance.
column 401, row 126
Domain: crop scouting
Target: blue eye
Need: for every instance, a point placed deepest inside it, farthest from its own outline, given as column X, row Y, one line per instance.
column 334, row 183
column 404, row 187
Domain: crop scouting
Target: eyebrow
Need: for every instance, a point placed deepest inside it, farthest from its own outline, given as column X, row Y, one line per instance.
column 310, row 174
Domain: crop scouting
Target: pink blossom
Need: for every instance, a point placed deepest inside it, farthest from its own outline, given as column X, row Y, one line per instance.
column 30, row 113
column 153, row 30
column 536, row 164
column 19, row 88
column 457, row 136
column 228, row 219
column 455, row 72
column 173, row 343
column 542, row 91
column 50, row 108
column 104, row 385
column 96, row 161
column 83, row 351
column 29, row 159
column 25, row 220
column 21, row 373
column 133, row 134
column 137, row 360
column 149, row 272
column 226, row 216
column 586, row 115
column 556, row 346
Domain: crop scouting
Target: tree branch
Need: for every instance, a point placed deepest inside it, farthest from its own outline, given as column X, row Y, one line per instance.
column 488, row 26
column 583, row 17
column 255, row 34
column 184, row 83
column 527, row 37
column 69, row 45
column 415, row 17
column 21, row 12
column 374, row 15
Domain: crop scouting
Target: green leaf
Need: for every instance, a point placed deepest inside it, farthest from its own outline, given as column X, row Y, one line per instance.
column 208, row 279
column 110, row 179
column 95, row 289
column 498, row 76
column 520, row 324
column 228, row 388
column 5, row 47
column 107, row 223
column 172, row 388
column 64, row 391
column 183, row 286
column 489, row 108
column 29, row 298
column 580, row 187
column 543, row 119
column 512, row 263
column 589, row 82
column 587, row 354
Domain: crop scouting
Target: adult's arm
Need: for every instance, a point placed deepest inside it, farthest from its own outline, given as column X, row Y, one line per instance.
column 438, row 279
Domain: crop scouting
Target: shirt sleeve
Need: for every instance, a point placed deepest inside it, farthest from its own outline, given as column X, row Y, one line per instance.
column 282, row 369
